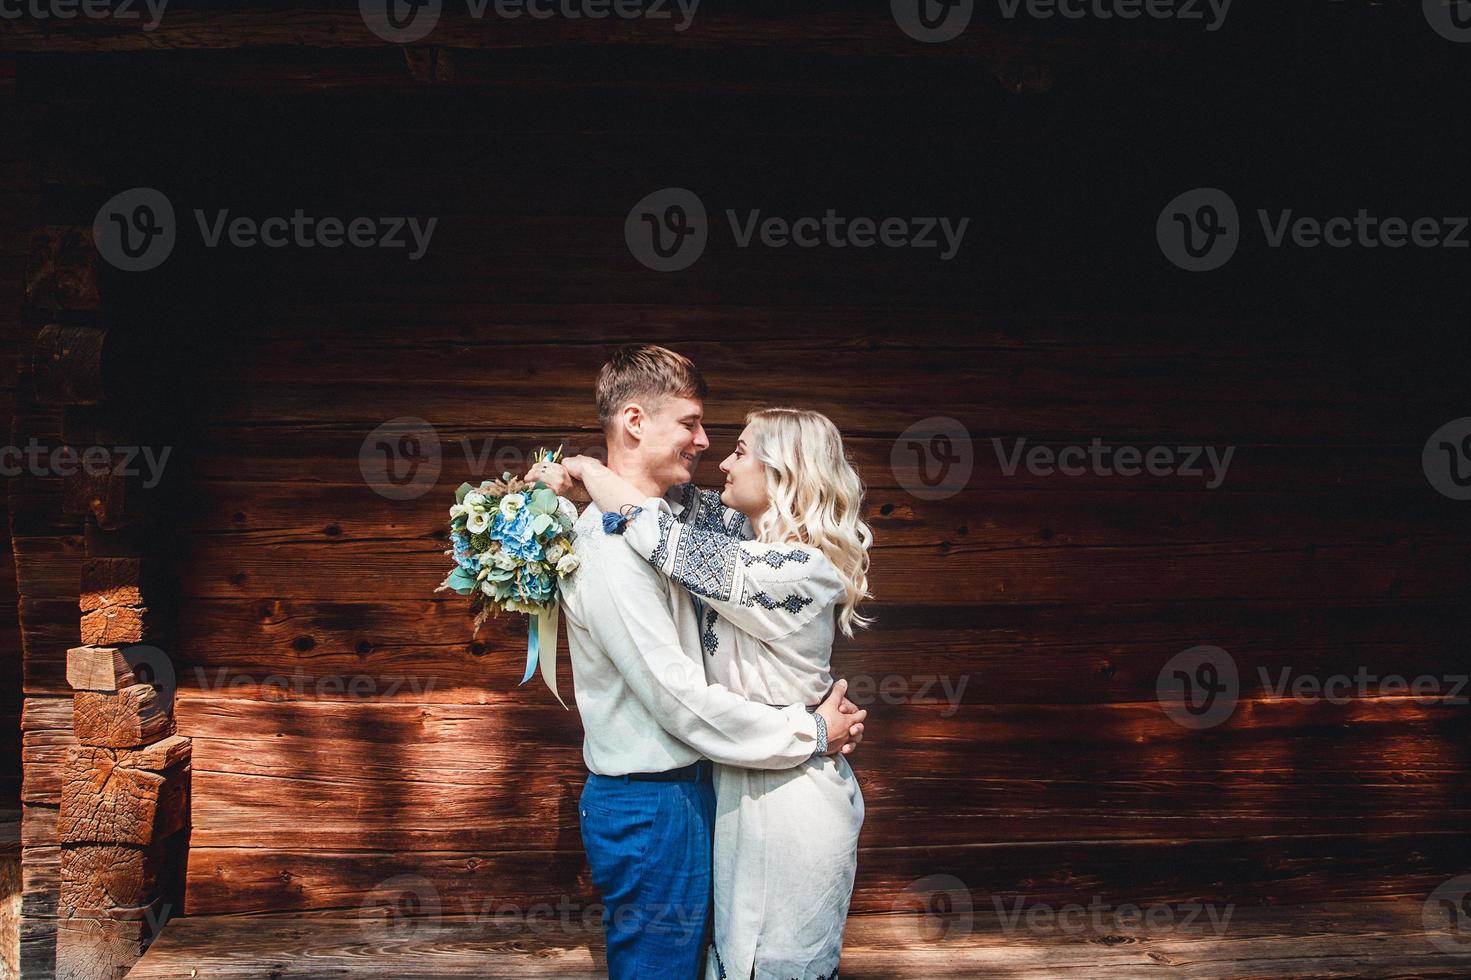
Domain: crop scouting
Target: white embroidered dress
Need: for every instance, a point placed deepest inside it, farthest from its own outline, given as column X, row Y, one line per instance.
column 786, row 841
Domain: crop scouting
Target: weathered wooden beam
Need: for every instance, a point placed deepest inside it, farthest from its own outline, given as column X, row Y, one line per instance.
column 66, row 364
column 103, row 800
column 99, row 669
column 112, row 625
column 61, row 273
column 114, row 582
column 132, row 717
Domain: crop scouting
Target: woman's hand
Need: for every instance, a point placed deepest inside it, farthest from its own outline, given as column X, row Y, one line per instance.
column 578, row 466
column 557, row 476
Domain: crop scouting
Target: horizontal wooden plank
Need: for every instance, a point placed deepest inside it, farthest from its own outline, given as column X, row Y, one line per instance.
column 230, row 880
column 327, row 453
column 503, row 776
column 422, row 649
column 1322, row 939
column 46, row 734
column 937, row 574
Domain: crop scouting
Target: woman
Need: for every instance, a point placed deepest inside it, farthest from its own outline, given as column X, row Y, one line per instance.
column 785, row 841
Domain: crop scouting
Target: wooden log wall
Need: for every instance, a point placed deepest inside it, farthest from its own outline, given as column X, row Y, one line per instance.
column 1023, row 621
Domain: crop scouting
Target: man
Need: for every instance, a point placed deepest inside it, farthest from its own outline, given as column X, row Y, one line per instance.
column 649, row 717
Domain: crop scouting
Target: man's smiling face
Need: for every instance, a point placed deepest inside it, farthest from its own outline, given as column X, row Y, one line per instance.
column 672, row 440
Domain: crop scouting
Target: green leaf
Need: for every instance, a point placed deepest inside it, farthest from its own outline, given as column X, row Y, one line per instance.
column 541, row 522
column 461, row 581
column 464, row 489
column 543, row 501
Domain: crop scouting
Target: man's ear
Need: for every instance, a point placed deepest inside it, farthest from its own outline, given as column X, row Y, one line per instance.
column 633, row 419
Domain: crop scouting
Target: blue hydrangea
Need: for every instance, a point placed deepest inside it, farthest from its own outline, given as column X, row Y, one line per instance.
column 516, row 537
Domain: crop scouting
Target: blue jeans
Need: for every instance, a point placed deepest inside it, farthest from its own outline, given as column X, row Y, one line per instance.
column 650, row 848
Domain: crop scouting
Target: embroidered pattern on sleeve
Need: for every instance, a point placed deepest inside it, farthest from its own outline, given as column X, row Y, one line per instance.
column 776, row 559
column 708, row 640
column 793, row 603
column 705, row 563
column 661, row 550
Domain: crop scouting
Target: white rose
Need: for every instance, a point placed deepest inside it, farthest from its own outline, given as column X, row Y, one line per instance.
column 505, row 560
column 458, row 510
column 556, row 550
column 475, row 499
column 511, row 503
column 478, row 521
column 568, row 564
column 567, row 509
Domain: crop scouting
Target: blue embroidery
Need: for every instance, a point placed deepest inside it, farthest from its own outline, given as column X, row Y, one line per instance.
column 705, row 563
column 792, row 603
column 777, row 559
column 708, row 639
column 661, row 551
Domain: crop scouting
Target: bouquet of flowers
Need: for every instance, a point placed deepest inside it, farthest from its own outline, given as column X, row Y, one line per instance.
column 512, row 545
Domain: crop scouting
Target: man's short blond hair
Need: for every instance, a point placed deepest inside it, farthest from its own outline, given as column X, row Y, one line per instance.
column 645, row 374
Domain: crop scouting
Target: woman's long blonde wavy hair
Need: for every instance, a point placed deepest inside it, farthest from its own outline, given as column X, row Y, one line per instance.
column 816, row 497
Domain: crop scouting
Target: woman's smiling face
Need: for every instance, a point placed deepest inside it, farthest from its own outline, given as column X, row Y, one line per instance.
column 745, row 478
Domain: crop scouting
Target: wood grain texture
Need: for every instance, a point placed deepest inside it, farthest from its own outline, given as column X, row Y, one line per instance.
column 1336, row 939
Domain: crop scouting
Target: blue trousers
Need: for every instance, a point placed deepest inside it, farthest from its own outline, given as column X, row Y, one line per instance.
column 649, row 845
